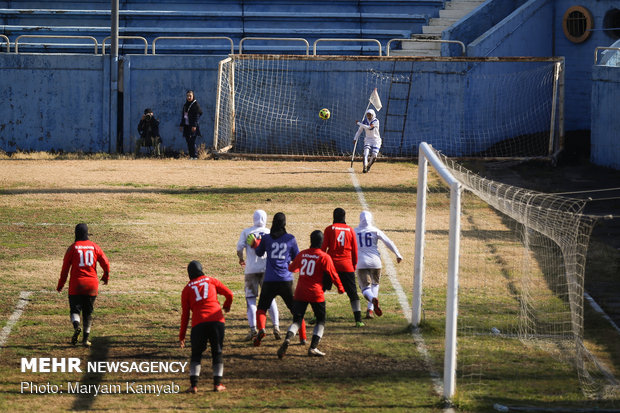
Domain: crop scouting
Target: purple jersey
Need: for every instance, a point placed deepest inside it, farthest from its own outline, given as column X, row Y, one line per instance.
column 280, row 252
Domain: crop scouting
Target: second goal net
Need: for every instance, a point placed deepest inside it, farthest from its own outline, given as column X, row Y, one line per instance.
column 502, row 269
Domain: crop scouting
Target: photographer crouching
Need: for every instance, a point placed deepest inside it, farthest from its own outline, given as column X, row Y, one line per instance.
column 148, row 128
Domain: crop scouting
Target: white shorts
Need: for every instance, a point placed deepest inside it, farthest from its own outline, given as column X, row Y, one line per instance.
column 372, row 145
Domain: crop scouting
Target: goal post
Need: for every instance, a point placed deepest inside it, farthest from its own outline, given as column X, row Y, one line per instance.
column 426, row 155
column 500, row 269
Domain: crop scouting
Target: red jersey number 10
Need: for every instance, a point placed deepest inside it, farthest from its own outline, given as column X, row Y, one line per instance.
column 87, row 258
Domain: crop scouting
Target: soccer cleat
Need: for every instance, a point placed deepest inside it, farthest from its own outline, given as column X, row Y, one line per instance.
column 364, row 170
column 359, row 324
column 302, row 342
column 251, row 335
column 276, row 333
column 315, row 352
column 312, row 321
column 86, row 343
column 192, row 389
column 370, row 315
column 219, row 388
column 259, row 337
column 76, row 334
column 378, row 311
column 282, row 349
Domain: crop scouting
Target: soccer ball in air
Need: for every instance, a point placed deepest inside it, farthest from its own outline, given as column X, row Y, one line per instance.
column 324, row 114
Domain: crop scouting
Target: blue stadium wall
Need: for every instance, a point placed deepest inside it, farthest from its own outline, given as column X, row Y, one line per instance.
column 63, row 102
column 605, row 131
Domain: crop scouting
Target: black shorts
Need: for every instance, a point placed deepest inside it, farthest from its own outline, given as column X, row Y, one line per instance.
column 299, row 310
column 211, row 332
column 271, row 289
column 349, row 284
column 81, row 304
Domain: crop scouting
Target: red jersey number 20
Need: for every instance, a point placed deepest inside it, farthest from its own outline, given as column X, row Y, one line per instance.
column 307, row 267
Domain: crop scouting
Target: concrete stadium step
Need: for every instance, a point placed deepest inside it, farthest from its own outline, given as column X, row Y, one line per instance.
column 418, row 52
column 454, row 11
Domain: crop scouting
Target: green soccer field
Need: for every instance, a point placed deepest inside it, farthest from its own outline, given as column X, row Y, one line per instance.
column 151, row 217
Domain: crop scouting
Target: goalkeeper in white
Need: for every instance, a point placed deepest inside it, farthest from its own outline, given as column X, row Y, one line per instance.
column 369, row 261
column 254, row 273
column 372, row 140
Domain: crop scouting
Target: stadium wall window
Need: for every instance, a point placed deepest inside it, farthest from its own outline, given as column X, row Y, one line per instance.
column 611, row 23
column 577, row 24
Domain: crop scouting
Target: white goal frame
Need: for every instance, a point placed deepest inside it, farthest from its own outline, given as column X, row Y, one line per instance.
column 426, row 155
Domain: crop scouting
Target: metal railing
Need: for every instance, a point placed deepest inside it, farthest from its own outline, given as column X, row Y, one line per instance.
column 603, row 48
column 8, row 43
column 232, row 45
column 463, row 49
column 290, row 39
column 344, row 40
column 48, row 36
column 146, row 44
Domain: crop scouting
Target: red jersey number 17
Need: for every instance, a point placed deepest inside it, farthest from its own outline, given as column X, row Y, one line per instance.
column 205, row 289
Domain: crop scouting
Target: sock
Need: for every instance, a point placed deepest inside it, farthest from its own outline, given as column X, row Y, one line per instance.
column 88, row 321
column 319, row 328
column 274, row 314
column 368, row 295
column 217, row 380
column 289, row 335
column 85, row 337
column 218, row 370
column 75, row 318
column 302, row 330
column 357, row 311
column 251, row 311
column 261, row 319
column 315, row 341
column 292, row 330
column 375, row 290
column 76, row 325
column 193, row 381
column 358, row 316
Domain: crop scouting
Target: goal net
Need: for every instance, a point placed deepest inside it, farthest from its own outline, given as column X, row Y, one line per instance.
column 515, row 260
column 482, row 107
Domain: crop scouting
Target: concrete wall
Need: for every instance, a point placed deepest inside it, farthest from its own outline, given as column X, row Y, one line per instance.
column 579, row 60
column 160, row 83
column 52, row 102
column 605, row 129
column 518, row 34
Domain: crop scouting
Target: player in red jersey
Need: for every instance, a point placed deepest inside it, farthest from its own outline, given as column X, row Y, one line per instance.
column 82, row 258
column 340, row 243
column 313, row 265
column 200, row 297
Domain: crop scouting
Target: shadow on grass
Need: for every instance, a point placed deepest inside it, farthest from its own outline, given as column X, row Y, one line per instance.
column 208, row 190
column 99, row 351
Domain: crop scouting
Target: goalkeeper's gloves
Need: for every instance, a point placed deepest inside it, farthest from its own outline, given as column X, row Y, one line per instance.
column 253, row 240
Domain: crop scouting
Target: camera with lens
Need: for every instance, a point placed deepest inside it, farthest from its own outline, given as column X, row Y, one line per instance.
column 148, row 117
